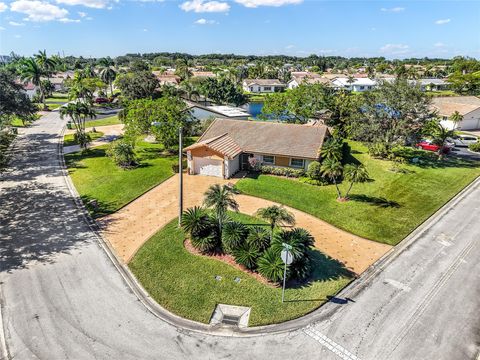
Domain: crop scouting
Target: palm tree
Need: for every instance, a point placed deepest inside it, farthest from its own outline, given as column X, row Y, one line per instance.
column 31, row 71
column 332, row 169
column 355, row 173
column 220, row 197
column 190, row 90
column 47, row 64
column 78, row 112
column 440, row 135
column 107, row 72
column 332, row 149
column 456, row 117
column 276, row 216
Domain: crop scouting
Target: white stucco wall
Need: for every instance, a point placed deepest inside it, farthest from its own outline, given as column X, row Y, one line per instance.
column 471, row 121
column 232, row 166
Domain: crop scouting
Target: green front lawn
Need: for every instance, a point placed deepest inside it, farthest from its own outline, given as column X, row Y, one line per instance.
column 112, row 120
column 386, row 209
column 185, row 284
column 96, row 176
column 56, row 99
column 69, row 139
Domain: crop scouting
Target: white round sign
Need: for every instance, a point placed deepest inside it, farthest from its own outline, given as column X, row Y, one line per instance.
column 286, row 256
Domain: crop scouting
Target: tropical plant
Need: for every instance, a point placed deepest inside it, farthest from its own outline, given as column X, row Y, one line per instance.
column 355, row 174
column 107, row 72
column 332, row 169
column 220, row 198
column 439, row 134
column 271, row 266
column 314, row 170
column 78, row 112
column 195, row 220
column 259, row 238
column 31, row 71
column 123, row 153
column 332, row 149
column 247, row 255
column 276, row 216
column 47, row 64
column 234, row 234
column 456, row 117
column 207, row 243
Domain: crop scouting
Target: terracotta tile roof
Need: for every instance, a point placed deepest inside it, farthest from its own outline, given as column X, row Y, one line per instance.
column 446, row 106
column 291, row 140
column 223, row 144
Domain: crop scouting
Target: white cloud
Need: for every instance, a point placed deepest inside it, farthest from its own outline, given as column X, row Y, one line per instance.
column 96, row 4
column 205, row 22
column 276, row 3
column 442, row 21
column 14, row 23
column 439, row 45
column 3, row 7
column 288, row 47
column 2, row 28
column 67, row 20
column 394, row 9
column 395, row 49
column 200, row 6
column 145, row 30
column 38, row 10
column 82, row 14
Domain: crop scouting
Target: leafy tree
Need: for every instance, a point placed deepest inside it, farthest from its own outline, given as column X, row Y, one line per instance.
column 220, row 198
column 439, row 135
column 465, row 83
column 47, row 64
column 314, row 170
column 234, row 234
column 344, row 107
column 223, row 91
column 355, row 174
column 332, row 169
column 138, row 85
column 81, row 87
column 332, row 149
column 392, row 113
column 13, row 100
column 276, row 216
column 182, row 70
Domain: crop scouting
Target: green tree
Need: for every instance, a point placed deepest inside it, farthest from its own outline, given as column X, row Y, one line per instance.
column 276, row 216
column 220, row 198
column 355, row 174
column 31, row 71
column 107, row 72
column 332, row 169
column 123, row 153
column 47, row 64
column 13, row 100
column 332, row 149
column 439, row 134
column 138, row 85
column 234, row 234
column 222, row 91
column 78, row 112
column 456, row 117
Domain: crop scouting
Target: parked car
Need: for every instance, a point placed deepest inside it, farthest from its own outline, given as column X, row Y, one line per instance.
column 430, row 146
column 101, row 100
column 464, row 140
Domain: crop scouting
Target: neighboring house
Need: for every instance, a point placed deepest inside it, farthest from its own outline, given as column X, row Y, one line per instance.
column 202, row 112
column 203, row 74
column 467, row 106
column 358, row 84
column 263, row 85
column 167, row 79
column 58, row 83
column 30, row 90
column 295, row 82
column 228, row 146
column 432, row 84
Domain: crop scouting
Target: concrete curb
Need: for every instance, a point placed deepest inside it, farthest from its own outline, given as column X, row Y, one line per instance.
column 350, row 291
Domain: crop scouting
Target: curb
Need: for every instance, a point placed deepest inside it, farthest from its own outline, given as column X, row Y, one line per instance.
column 182, row 324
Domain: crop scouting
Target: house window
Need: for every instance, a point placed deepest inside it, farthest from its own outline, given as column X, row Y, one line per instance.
column 267, row 88
column 362, row 87
column 269, row 160
column 251, row 88
column 300, row 163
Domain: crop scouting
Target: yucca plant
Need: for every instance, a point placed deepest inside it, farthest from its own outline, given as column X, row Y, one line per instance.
column 247, row 255
column 271, row 266
column 234, row 234
column 258, row 238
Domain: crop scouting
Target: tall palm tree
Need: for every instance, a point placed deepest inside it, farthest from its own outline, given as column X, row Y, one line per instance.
column 456, row 117
column 276, row 216
column 220, row 198
column 48, row 64
column 107, row 72
column 31, row 71
column 332, row 169
column 355, row 174
column 189, row 90
column 78, row 112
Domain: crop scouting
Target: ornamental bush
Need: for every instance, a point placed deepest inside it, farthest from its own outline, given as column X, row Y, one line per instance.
column 122, row 154
column 282, row 171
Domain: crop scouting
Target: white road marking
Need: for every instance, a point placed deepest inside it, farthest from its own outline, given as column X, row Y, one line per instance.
column 444, row 243
column 398, row 285
column 331, row 345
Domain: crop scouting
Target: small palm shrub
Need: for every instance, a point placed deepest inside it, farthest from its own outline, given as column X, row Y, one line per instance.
column 247, row 255
column 82, row 138
column 202, row 229
column 271, row 266
column 259, row 238
column 378, row 150
column 475, row 147
column 234, row 234
column 206, row 243
column 122, row 154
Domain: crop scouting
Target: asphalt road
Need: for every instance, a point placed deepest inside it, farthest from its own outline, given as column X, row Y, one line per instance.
column 62, row 298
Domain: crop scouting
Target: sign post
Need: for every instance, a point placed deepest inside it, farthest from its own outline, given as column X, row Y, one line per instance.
column 287, row 259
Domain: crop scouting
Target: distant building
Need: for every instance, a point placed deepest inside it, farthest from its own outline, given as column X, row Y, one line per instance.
column 467, row 106
column 202, row 112
column 167, row 79
column 30, row 89
column 263, row 85
column 295, row 82
column 432, row 84
column 358, row 84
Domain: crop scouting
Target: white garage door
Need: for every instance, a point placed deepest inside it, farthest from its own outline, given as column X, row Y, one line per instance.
column 206, row 166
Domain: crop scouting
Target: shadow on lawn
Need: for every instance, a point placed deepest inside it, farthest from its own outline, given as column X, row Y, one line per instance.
column 380, row 202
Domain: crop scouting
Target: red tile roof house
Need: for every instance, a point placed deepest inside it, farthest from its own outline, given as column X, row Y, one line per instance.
column 226, row 146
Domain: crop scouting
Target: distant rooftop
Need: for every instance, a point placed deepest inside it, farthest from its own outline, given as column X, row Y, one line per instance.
column 228, row 111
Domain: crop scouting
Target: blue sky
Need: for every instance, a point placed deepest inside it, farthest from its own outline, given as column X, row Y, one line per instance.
column 394, row 29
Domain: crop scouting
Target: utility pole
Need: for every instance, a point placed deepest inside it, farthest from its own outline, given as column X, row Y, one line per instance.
column 180, row 175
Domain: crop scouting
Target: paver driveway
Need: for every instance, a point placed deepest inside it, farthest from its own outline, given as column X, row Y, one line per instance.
column 128, row 229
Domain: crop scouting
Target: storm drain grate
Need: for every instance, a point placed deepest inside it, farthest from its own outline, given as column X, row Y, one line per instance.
column 230, row 316
column 230, row 320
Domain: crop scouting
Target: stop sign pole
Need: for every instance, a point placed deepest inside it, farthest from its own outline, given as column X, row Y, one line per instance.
column 287, row 259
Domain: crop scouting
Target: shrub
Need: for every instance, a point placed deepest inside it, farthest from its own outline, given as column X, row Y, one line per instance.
column 282, row 171
column 206, row 243
column 321, row 182
column 378, row 150
column 474, row 147
column 259, row 238
column 314, row 172
column 247, row 256
column 271, row 266
column 234, row 234
column 122, row 153
column 82, row 138
column 195, row 220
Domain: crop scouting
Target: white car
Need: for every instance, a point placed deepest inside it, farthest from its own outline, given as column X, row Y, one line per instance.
column 464, row 140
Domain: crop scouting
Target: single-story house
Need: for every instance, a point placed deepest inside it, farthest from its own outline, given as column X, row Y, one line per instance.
column 358, row 84
column 167, row 79
column 263, row 85
column 228, row 146
column 203, row 74
column 58, row 83
column 467, row 106
column 296, row 82
column 432, row 84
